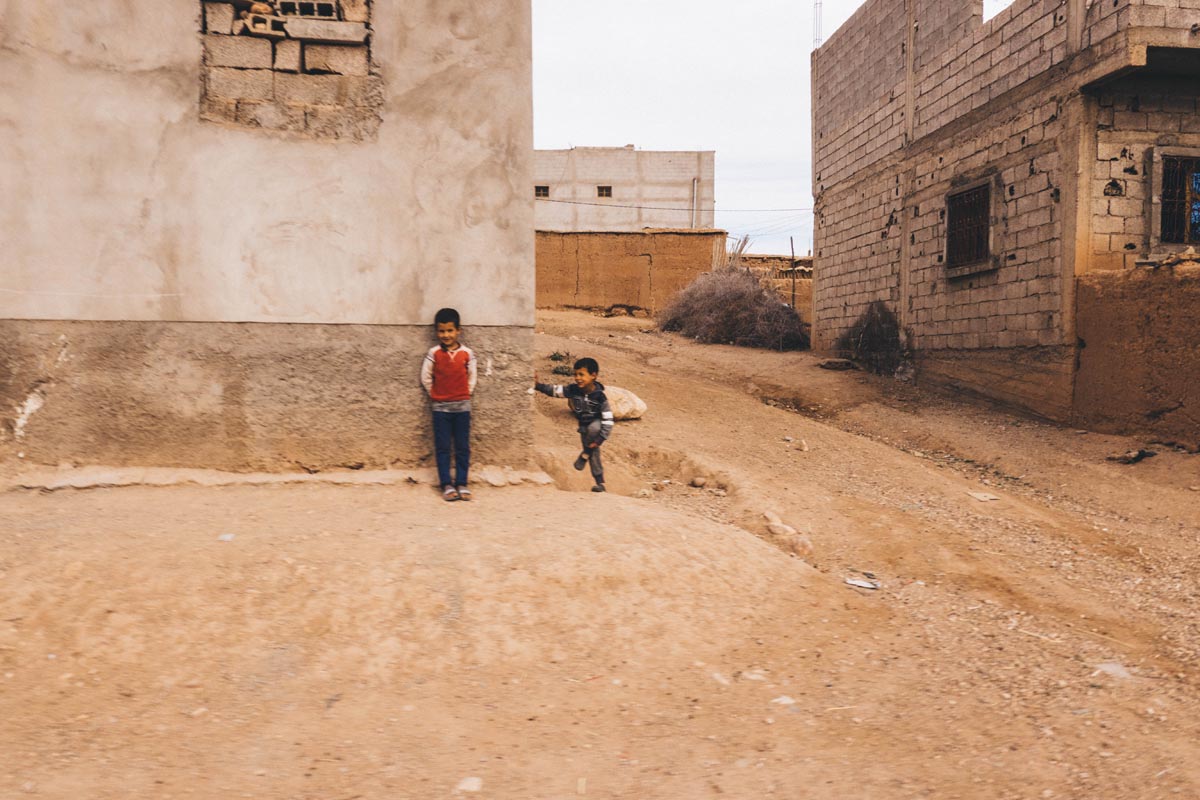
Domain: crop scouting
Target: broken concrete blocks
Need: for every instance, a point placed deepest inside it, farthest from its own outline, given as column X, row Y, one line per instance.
column 297, row 66
column 306, row 8
column 266, row 25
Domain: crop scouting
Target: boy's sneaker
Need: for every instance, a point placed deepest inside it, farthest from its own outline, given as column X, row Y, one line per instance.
column 599, row 487
column 581, row 462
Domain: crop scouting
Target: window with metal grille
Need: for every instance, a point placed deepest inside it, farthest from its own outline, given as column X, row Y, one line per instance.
column 967, row 226
column 541, row 191
column 1180, row 200
column 603, row 191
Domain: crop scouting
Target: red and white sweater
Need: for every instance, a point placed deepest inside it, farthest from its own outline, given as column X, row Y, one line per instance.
column 449, row 375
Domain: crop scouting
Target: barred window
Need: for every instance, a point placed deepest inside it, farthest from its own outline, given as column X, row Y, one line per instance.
column 603, row 191
column 968, row 226
column 541, row 191
column 1180, row 200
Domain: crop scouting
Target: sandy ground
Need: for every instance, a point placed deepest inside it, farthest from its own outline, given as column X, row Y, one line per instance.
column 322, row 641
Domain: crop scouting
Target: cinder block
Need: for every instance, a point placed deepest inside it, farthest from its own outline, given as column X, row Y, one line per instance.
column 1123, row 207
column 328, row 90
column 319, row 30
column 355, row 10
column 240, row 84
column 242, row 52
column 336, row 59
column 287, row 56
column 218, row 18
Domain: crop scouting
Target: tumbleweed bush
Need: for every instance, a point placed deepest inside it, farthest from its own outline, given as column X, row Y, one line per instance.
column 731, row 306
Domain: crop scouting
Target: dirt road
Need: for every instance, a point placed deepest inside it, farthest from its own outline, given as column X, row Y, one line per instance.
column 657, row 642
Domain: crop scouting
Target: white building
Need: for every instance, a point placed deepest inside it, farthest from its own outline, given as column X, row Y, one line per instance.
column 623, row 189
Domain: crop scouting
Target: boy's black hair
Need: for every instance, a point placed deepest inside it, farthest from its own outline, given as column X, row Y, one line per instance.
column 447, row 315
column 589, row 364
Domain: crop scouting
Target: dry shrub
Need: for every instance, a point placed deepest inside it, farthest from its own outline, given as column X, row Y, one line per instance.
column 730, row 306
column 874, row 340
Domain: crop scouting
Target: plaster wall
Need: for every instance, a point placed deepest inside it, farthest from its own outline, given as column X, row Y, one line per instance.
column 644, row 183
column 246, row 397
column 120, row 203
column 601, row 270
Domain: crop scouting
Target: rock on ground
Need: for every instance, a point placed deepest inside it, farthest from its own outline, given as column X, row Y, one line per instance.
column 625, row 404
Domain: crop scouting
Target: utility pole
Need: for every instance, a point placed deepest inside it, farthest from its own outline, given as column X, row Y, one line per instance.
column 792, row 242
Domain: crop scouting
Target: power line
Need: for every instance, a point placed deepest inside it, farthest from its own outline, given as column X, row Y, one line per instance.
column 670, row 208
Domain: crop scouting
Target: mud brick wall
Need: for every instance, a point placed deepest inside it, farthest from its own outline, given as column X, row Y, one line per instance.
column 802, row 287
column 601, row 270
column 287, row 72
column 1141, row 352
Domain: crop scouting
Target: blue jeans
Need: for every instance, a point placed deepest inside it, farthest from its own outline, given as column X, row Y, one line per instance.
column 452, row 427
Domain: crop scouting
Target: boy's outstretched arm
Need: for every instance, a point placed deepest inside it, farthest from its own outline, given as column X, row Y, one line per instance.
column 427, row 373
column 548, row 389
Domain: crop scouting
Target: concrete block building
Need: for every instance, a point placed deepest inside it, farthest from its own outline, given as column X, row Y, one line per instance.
column 613, row 189
column 1004, row 189
column 226, row 231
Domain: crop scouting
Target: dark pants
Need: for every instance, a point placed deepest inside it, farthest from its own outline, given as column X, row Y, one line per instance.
column 587, row 436
column 452, row 427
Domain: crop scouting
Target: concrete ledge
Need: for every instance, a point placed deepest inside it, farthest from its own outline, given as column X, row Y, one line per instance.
column 112, row 477
column 247, row 397
column 1037, row 380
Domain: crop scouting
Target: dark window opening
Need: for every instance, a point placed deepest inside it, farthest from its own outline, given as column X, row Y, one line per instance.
column 541, row 191
column 1181, row 200
column 603, row 191
column 967, row 226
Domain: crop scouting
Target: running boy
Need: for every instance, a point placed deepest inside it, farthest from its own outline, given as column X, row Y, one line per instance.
column 590, row 406
column 448, row 375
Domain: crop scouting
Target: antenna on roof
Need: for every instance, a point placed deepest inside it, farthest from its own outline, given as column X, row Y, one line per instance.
column 816, row 24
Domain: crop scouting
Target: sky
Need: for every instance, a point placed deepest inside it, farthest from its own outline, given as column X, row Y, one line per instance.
column 693, row 75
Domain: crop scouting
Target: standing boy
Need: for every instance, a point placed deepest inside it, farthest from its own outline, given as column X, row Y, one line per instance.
column 590, row 406
column 448, row 375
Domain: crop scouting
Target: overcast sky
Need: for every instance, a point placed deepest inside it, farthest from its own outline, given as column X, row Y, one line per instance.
column 693, row 75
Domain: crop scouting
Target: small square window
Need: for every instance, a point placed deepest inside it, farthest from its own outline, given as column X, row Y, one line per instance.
column 603, row 191
column 968, row 226
column 541, row 191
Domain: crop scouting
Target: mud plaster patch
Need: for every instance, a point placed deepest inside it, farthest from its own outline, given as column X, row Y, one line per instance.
column 33, row 403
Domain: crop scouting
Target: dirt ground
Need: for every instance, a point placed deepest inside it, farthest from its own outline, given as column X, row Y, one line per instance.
column 341, row 642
